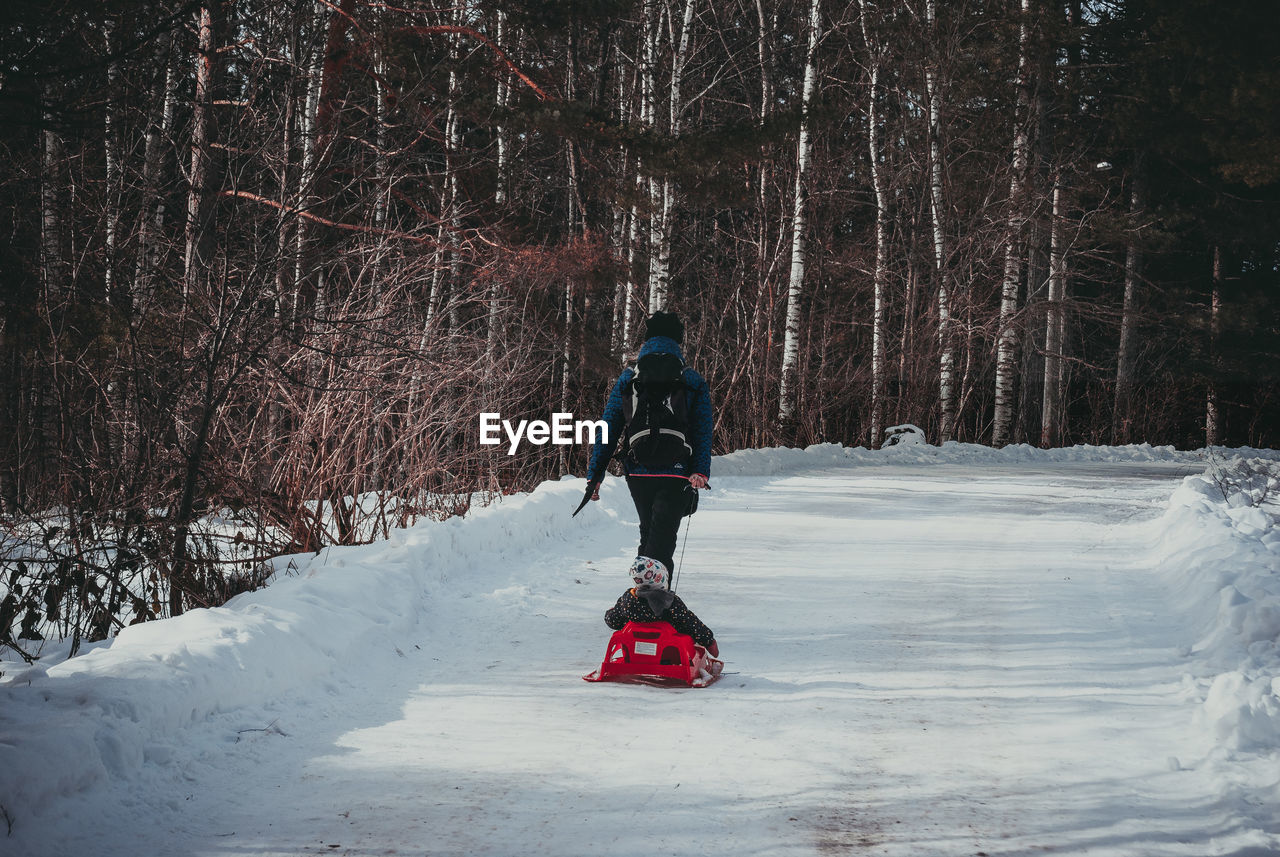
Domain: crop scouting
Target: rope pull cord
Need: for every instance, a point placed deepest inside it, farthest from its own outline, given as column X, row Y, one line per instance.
column 676, row 582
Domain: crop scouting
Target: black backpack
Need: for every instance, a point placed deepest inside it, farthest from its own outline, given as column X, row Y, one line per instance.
column 655, row 405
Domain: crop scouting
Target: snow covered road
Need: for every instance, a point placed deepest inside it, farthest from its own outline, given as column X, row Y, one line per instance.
column 921, row 660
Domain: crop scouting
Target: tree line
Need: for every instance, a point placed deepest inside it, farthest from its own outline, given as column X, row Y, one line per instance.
column 266, row 262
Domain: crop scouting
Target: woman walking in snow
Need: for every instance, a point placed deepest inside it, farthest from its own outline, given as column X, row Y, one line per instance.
column 660, row 412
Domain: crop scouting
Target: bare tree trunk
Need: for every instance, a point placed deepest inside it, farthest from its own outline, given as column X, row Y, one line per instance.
column 504, row 103
column 937, row 212
column 763, row 43
column 1051, row 409
column 111, row 153
column 321, row 124
column 617, row 238
column 1122, row 413
column 1212, row 427
column 648, row 54
column 618, row 234
column 907, row 344
column 1036, row 308
column 789, row 382
column 52, row 262
column 308, row 138
column 496, row 285
column 762, row 313
column 151, row 221
column 201, row 197
column 566, row 372
column 874, row 61
column 651, row 32
column 631, row 228
column 335, row 54
column 573, row 219
column 117, row 420
column 445, row 278
column 381, row 140
column 660, row 256
column 1007, row 338
column 197, row 261
column 632, row 301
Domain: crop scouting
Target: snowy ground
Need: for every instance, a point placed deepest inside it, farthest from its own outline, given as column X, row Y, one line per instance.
column 929, row 652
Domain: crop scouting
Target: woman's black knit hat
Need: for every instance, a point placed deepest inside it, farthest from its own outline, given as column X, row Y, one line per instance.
column 666, row 324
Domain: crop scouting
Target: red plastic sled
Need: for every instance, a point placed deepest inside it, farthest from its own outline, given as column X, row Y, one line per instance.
column 655, row 653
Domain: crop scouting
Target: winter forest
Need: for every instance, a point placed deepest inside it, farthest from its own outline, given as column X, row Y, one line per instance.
column 264, row 264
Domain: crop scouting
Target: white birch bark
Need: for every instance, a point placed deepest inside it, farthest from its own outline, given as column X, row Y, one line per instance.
column 766, row 65
column 201, row 155
column 119, row 424
column 382, row 110
column 789, row 382
column 454, row 142
column 874, row 61
column 567, row 357
column 629, row 288
column 660, row 253
column 651, row 31
column 1007, row 338
column 504, row 102
column 566, row 373
column 495, row 297
column 937, row 213
column 307, row 138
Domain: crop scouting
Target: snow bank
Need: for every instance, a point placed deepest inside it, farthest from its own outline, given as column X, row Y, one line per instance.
column 1220, row 544
column 777, row 460
column 100, row 716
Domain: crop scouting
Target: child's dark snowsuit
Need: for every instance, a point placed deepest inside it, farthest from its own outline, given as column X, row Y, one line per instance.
column 633, row 608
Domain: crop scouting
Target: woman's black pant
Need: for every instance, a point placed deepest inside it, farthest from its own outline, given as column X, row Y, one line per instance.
column 661, row 501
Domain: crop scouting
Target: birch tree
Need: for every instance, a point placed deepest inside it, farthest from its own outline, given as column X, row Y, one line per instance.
column 937, row 213
column 875, row 61
column 1122, row 408
column 1212, row 426
column 500, row 192
column 198, row 260
column 650, row 34
column 304, row 199
column 1051, row 408
column 202, row 177
column 789, row 382
column 1007, row 339
column 111, row 155
column 151, row 220
column 660, row 256
column 52, row 261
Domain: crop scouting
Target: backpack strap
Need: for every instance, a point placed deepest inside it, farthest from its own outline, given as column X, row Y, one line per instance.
column 630, row 396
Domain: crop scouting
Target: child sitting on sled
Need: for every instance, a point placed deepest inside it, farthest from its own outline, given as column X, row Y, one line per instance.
column 650, row 601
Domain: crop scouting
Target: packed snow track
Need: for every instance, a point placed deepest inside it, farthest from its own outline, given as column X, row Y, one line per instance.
column 922, row 659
